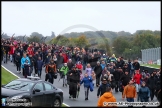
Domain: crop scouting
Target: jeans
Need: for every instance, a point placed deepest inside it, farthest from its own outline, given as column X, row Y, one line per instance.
column 64, row 79
column 137, row 90
column 86, row 89
column 130, row 99
column 50, row 76
column 11, row 59
column 39, row 72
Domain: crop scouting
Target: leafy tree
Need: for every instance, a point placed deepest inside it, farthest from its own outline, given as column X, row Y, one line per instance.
column 81, row 41
column 119, row 44
column 33, row 39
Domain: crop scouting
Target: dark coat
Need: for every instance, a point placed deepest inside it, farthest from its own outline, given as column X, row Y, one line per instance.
column 144, row 93
column 117, row 75
column 18, row 60
column 125, row 79
column 98, row 70
column 39, row 64
column 151, row 83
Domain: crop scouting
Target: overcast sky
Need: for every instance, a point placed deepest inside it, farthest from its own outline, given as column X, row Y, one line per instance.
column 43, row 17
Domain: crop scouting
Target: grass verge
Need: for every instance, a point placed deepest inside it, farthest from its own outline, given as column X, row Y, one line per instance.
column 64, row 105
column 152, row 65
column 7, row 77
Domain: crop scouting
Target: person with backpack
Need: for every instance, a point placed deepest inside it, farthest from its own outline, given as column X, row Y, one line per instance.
column 63, row 71
column 102, row 88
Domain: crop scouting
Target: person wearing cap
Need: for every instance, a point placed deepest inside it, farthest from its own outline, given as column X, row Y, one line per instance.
column 64, row 69
column 102, row 88
column 154, row 73
column 144, row 93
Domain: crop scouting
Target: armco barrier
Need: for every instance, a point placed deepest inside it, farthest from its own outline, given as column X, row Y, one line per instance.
column 149, row 69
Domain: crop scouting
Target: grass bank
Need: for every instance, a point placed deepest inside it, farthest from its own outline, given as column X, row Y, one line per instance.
column 152, row 65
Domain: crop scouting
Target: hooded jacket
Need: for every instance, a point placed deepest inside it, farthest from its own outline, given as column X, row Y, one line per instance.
column 106, row 97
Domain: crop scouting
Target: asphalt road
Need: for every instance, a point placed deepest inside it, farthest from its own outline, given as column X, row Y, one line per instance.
column 78, row 102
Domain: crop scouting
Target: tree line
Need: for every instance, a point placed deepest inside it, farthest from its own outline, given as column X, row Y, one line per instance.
column 120, row 43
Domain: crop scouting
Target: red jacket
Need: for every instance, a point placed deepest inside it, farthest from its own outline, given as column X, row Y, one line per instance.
column 137, row 78
column 79, row 66
column 30, row 51
column 65, row 57
column 12, row 48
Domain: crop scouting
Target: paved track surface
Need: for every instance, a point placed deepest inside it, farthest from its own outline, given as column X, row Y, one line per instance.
column 78, row 102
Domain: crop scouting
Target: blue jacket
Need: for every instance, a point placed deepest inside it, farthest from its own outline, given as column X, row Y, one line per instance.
column 144, row 93
column 23, row 61
column 39, row 64
column 103, row 66
column 86, row 81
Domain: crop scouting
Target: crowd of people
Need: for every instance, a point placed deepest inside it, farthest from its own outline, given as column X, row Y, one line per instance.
column 77, row 66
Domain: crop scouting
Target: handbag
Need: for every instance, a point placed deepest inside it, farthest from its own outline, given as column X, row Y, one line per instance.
column 55, row 75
